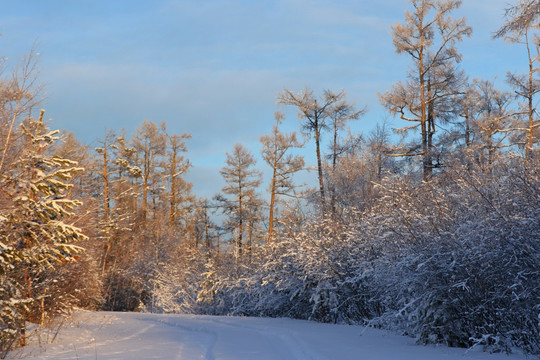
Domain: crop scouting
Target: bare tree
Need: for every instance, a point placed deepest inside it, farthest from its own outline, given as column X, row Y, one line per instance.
column 340, row 114
column 315, row 114
column 18, row 94
column 378, row 143
column 428, row 35
column 70, row 147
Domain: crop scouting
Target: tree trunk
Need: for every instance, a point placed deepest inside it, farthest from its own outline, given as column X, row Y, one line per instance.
column 319, row 165
column 529, row 147
column 240, row 224
column 427, row 170
column 334, row 166
column 145, row 186
column 271, row 215
column 105, row 186
column 172, row 205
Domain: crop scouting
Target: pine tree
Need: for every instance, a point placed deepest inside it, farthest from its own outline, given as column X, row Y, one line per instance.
column 34, row 232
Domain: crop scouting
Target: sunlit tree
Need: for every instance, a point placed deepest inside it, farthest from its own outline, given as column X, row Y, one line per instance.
column 428, row 35
column 522, row 26
column 276, row 153
column 242, row 181
column 315, row 114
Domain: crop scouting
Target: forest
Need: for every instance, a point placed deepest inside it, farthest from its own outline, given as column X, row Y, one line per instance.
column 431, row 230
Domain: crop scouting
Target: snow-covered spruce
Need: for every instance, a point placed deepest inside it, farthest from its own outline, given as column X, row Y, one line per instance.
column 34, row 232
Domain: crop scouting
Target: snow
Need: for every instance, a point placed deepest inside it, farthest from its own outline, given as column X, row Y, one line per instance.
column 108, row 335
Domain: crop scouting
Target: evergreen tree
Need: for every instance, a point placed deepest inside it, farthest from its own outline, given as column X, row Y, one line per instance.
column 34, row 231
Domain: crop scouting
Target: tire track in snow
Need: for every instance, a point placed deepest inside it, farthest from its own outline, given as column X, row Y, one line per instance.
column 209, row 346
column 110, row 341
column 93, row 344
column 296, row 347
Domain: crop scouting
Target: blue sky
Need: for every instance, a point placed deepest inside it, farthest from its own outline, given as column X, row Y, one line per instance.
column 213, row 67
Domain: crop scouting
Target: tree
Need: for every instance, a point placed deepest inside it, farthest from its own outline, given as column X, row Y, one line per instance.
column 360, row 169
column 428, row 36
column 378, row 143
column 204, row 226
column 18, row 95
column 116, row 233
column 177, row 165
column 488, row 119
column 242, row 181
column 128, row 172
column 315, row 113
column 284, row 165
column 253, row 209
column 340, row 114
column 69, row 147
column 107, row 144
column 34, row 232
column 523, row 20
column 114, row 166
column 149, row 141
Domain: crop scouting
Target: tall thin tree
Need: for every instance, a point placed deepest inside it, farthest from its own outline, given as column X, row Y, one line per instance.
column 315, row 113
column 523, row 26
column 177, row 165
column 284, row 165
column 242, row 180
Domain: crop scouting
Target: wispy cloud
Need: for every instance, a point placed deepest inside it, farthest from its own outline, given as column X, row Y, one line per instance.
column 213, row 67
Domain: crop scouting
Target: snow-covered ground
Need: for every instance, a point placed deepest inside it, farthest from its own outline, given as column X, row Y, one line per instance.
column 105, row 335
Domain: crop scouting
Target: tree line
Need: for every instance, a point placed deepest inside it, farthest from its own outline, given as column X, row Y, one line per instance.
column 433, row 235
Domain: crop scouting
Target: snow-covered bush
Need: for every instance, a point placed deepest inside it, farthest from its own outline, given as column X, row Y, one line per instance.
column 176, row 284
column 466, row 269
column 319, row 272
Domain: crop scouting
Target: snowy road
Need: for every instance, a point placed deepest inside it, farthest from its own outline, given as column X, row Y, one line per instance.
column 102, row 335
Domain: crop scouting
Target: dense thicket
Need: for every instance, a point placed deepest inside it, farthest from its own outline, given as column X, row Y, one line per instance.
column 435, row 237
